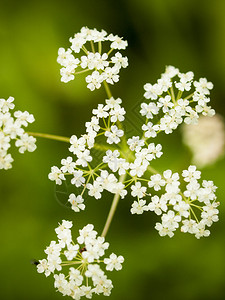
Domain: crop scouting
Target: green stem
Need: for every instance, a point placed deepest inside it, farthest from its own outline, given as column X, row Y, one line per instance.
column 107, row 89
column 50, row 136
column 80, row 72
column 110, row 51
column 112, row 209
column 100, row 47
column 104, row 147
column 92, row 46
column 152, row 170
column 173, row 96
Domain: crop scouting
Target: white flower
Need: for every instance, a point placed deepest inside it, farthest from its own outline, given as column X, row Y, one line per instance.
column 155, row 150
column 4, row 141
column 68, row 165
column 113, row 136
column 94, row 61
column 182, row 208
column 119, row 60
column 87, row 234
column 95, row 190
column 117, row 42
column 78, row 178
column 114, row 262
column 171, row 71
column 77, row 145
column 77, row 202
column 43, row 267
column 135, row 143
column 24, row 118
column 143, row 156
column 93, row 125
column 110, row 75
column 184, row 77
column 67, row 74
column 191, row 173
column 192, row 116
column 94, row 272
column 26, row 142
column 6, row 105
column 165, row 103
column 5, row 160
column 171, row 179
column 75, row 274
column 210, row 213
column 138, row 168
column 201, row 231
column 112, row 103
column 183, row 85
column 83, row 158
column 192, row 189
column 101, row 111
column 189, row 226
column 164, row 230
column 138, row 190
column 106, row 180
column 138, row 207
column 94, row 80
column 119, row 189
column 112, row 159
column 149, row 110
column 203, row 86
column 156, row 182
column 169, row 224
column 56, row 175
column 152, row 91
column 53, row 249
column 182, row 106
column 150, row 130
column 117, row 113
column 157, row 205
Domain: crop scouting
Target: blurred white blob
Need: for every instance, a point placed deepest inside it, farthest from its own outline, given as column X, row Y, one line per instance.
column 206, row 140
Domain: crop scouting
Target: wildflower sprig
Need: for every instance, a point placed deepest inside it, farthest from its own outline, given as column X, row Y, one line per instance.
column 126, row 164
column 91, row 44
column 132, row 159
column 11, row 128
column 175, row 99
column 83, row 258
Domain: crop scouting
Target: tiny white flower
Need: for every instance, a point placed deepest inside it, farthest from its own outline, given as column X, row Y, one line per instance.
column 114, row 262
column 138, row 207
column 138, row 190
column 76, row 202
column 113, row 136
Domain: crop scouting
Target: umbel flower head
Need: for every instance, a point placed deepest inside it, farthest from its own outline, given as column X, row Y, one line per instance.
column 127, row 163
column 94, row 52
column 11, row 128
column 81, row 260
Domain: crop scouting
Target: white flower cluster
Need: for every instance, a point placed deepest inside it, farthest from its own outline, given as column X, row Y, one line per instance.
column 177, row 208
column 97, row 179
column 102, row 65
column 133, row 158
column 173, row 108
column 184, row 209
column 206, row 140
column 11, row 129
column 85, row 277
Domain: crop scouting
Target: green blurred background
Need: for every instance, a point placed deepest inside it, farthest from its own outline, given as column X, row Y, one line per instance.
column 186, row 33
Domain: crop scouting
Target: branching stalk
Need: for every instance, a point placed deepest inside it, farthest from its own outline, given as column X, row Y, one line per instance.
column 50, row 136
column 112, row 209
